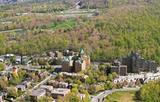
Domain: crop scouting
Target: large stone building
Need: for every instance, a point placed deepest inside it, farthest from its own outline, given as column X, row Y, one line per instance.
column 136, row 64
column 75, row 62
column 118, row 68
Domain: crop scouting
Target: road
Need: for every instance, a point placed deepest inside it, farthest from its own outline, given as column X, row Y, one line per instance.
column 12, row 30
column 100, row 97
column 41, row 83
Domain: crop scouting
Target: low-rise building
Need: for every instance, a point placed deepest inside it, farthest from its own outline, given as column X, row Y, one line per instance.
column 48, row 88
column 21, row 88
column 59, row 92
column 36, row 94
column 57, row 84
column 63, row 85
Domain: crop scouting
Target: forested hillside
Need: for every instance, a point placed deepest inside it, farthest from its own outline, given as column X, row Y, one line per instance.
column 118, row 30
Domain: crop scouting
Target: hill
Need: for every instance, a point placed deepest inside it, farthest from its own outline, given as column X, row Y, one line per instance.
column 118, row 30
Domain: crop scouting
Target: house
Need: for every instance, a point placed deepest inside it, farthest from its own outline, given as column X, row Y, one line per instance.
column 48, row 88
column 36, row 94
column 21, row 88
column 63, row 85
column 57, row 84
column 59, row 92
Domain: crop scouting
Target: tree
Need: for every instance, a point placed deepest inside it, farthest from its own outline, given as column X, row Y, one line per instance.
column 2, row 66
column 45, row 99
column 3, row 83
column 109, row 85
column 71, row 97
column 12, row 91
column 149, row 92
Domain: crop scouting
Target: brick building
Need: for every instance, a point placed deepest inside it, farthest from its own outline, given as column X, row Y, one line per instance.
column 75, row 62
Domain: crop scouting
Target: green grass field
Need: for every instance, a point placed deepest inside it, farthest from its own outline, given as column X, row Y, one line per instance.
column 66, row 25
column 122, row 97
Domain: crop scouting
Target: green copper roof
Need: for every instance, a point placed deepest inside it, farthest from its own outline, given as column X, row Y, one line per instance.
column 81, row 51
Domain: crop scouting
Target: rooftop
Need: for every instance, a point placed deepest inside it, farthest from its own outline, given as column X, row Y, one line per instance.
column 60, row 91
column 38, row 92
column 20, row 86
column 46, row 87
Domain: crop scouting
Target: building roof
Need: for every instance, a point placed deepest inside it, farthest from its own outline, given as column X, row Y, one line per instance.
column 60, row 91
column 81, row 51
column 21, row 86
column 38, row 92
column 46, row 87
column 26, row 82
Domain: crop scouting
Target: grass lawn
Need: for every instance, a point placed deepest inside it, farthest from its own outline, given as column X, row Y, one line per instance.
column 125, row 96
column 66, row 25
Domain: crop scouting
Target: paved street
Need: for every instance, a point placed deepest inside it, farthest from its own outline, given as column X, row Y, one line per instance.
column 101, row 96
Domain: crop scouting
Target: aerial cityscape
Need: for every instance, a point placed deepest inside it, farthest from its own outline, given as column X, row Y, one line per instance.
column 79, row 51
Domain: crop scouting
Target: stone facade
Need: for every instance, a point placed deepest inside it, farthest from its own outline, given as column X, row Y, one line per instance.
column 123, row 70
column 119, row 69
column 136, row 64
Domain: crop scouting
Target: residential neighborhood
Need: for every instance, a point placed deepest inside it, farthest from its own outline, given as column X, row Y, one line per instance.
column 79, row 50
column 33, row 80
